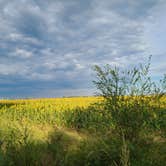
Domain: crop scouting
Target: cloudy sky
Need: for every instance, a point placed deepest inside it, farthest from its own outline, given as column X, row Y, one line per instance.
column 48, row 47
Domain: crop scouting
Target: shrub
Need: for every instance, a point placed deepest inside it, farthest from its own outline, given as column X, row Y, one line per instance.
column 129, row 96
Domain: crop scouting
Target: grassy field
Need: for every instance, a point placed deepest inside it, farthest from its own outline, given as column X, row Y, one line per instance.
column 81, row 131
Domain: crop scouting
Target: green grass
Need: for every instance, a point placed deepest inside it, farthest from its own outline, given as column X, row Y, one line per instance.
column 91, row 136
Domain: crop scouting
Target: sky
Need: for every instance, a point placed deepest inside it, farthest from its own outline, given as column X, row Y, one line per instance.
column 48, row 48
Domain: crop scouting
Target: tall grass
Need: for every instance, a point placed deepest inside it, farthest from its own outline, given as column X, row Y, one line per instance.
column 88, row 135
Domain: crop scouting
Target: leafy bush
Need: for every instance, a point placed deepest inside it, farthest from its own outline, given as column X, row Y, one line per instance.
column 129, row 96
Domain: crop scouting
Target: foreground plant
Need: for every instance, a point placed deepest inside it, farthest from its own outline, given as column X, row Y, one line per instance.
column 131, row 97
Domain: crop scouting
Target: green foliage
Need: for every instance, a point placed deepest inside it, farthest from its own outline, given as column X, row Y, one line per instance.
column 135, row 104
column 129, row 96
column 125, row 154
column 91, row 118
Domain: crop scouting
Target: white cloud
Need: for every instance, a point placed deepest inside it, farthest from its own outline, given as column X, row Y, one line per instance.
column 62, row 40
column 12, row 69
column 21, row 53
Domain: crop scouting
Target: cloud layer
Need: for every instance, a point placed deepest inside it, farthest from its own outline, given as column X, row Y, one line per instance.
column 47, row 48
